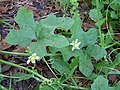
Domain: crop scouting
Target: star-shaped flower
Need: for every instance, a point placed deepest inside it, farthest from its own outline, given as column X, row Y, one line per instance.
column 75, row 44
column 33, row 58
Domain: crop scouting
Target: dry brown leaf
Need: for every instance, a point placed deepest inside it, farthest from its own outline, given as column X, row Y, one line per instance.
column 3, row 9
column 5, row 68
column 19, row 49
column 4, row 45
column 30, row 8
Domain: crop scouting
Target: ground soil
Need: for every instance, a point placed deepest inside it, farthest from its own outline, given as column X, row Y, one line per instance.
column 40, row 8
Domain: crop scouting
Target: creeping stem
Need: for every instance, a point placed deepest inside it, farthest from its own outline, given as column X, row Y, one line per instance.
column 99, row 26
column 14, row 53
column 30, row 71
column 24, row 54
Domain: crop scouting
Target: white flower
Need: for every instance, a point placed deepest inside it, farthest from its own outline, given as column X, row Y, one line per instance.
column 33, row 58
column 75, row 44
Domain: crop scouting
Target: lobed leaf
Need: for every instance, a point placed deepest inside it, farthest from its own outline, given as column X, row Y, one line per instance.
column 68, row 53
column 96, row 51
column 117, row 60
column 26, row 33
column 20, row 37
column 61, row 66
column 86, row 38
column 93, row 14
column 117, row 87
column 54, row 22
column 100, row 83
column 25, row 18
column 58, row 41
column 39, row 47
column 85, row 65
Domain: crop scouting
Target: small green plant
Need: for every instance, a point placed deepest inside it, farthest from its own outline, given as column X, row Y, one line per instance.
column 67, row 50
column 65, row 4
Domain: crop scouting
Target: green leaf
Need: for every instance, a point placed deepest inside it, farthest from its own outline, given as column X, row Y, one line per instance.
column 117, row 87
column 64, row 2
column 39, row 47
column 96, row 51
column 54, row 22
column 77, row 20
column 93, row 14
column 114, row 15
column 26, row 33
column 73, row 65
column 101, row 3
column 106, row 2
column 43, row 31
column 117, row 1
column 100, row 22
column 85, row 65
column 100, row 83
column 86, row 38
column 61, row 66
column 22, row 76
column 68, row 53
column 65, row 67
column 58, row 41
column 93, row 76
column 28, row 30
column 25, row 18
column 101, row 65
column 115, row 6
column 20, row 37
column 117, row 60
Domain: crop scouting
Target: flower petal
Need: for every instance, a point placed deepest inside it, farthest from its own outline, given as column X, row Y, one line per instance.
column 28, row 61
column 73, row 48
column 71, row 43
column 75, row 44
column 37, row 57
column 77, row 48
column 76, row 40
column 29, row 57
column 79, row 43
column 34, row 54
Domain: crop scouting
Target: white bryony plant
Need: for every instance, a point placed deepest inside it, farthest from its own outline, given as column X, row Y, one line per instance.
column 75, row 44
column 33, row 58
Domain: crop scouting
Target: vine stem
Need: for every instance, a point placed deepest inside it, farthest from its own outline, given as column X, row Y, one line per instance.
column 74, row 87
column 49, row 67
column 99, row 27
column 25, row 54
column 112, row 45
column 35, row 73
column 3, row 88
column 14, row 53
column 30, row 71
